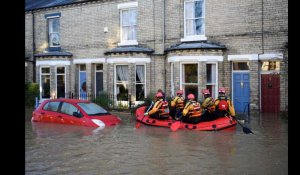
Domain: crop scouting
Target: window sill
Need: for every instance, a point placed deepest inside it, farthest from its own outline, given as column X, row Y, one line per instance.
column 128, row 43
column 194, row 38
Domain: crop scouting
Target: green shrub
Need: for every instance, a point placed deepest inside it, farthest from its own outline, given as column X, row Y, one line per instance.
column 104, row 100
column 31, row 92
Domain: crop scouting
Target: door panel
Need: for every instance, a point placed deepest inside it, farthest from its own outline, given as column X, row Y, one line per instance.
column 99, row 82
column 270, row 93
column 241, row 91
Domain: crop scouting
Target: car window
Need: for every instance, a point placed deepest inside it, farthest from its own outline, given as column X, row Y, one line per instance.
column 92, row 109
column 46, row 106
column 53, row 106
column 68, row 108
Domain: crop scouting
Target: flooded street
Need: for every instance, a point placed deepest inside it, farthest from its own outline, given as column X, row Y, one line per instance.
column 123, row 149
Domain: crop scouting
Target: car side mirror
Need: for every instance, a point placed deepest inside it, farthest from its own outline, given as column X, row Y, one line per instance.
column 77, row 114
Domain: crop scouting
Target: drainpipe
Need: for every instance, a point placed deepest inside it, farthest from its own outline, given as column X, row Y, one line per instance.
column 33, row 47
column 262, row 51
column 165, row 62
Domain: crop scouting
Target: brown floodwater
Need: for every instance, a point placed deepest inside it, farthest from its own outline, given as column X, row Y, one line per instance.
column 123, row 149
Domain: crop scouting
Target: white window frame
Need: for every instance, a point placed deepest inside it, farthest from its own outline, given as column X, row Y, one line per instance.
column 64, row 74
column 41, row 88
column 79, row 78
column 121, row 7
column 145, row 83
column 181, row 76
column 49, row 32
column 193, row 37
column 96, row 75
column 217, row 79
column 172, row 80
column 124, row 103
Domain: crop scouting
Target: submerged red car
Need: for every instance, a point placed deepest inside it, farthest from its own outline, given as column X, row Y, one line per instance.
column 74, row 112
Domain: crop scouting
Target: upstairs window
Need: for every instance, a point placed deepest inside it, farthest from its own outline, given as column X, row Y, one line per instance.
column 53, row 22
column 194, row 20
column 128, row 16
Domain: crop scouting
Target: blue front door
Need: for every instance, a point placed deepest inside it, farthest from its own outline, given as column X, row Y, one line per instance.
column 241, row 91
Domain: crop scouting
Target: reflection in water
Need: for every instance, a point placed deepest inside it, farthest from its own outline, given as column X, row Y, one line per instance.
column 123, row 149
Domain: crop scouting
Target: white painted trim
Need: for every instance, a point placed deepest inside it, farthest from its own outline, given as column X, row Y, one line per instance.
column 79, row 80
column 249, row 57
column 56, row 80
column 128, row 60
column 271, row 56
column 56, row 16
column 128, row 42
column 88, row 60
column 53, row 63
column 172, row 79
column 127, row 5
column 195, row 58
column 194, row 38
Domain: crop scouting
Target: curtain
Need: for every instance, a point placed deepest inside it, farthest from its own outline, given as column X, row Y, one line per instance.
column 122, row 73
column 213, row 73
column 129, row 24
column 190, row 15
column 140, row 73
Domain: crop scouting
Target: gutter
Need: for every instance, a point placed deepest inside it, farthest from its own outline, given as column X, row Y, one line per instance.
column 33, row 47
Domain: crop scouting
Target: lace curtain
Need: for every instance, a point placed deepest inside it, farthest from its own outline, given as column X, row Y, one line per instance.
column 140, row 73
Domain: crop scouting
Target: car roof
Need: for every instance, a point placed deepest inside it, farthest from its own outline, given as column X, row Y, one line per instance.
column 69, row 100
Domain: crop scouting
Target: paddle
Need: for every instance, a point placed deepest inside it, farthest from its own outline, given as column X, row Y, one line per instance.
column 138, row 124
column 175, row 126
column 246, row 130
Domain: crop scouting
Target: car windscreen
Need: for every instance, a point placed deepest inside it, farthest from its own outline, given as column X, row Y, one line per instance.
column 92, row 109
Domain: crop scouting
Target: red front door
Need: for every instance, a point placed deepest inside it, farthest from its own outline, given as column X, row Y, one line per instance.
column 270, row 93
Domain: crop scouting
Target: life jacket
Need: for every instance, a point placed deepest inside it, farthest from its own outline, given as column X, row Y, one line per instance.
column 178, row 103
column 223, row 104
column 196, row 112
column 164, row 109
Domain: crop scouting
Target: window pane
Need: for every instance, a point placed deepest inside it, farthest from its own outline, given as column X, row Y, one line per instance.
column 122, row 73
column 140, row 74
column 270, row 65
column 125, row 18
column 60, row 86
column 190, row 27
column 122, row 92
column 82, row 67
column 99, row 67
column 133, row 17
column 99, row 82
column 129, row 24
column 140, row 92
column 46, row 70
column 240, row 66
column 53, row 106
column 60, row 70
column 211, row 73
column 45, row 79
column 92, row 108
column 199, row 26
column 55, row 24
column 125, row 33
column 198, row 9
column 190, row 73
column 189, row 10
column 68, row 109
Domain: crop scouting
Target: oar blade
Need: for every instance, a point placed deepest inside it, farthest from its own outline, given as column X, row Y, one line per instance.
column 247, row 130
column 175, row 126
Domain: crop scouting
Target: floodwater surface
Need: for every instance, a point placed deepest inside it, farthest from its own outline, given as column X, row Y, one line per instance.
column 123, row 149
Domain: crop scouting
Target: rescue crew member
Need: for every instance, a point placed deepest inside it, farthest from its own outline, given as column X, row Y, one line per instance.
column 177, row 105
column 224, row 106
column 160, row 109
column 208, row 105
column 192, row 110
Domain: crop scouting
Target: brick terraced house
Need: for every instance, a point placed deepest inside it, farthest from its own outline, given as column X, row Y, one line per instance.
column 130, row 48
